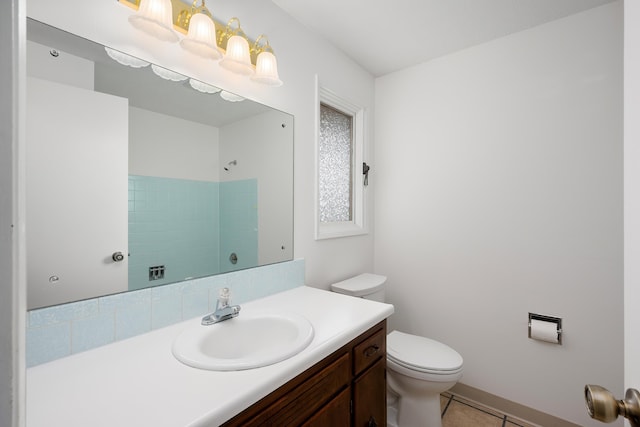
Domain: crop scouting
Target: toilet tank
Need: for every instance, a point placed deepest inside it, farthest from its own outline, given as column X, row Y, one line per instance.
column 368, row 286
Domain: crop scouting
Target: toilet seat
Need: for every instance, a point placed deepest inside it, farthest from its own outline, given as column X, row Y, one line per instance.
column 423, row 355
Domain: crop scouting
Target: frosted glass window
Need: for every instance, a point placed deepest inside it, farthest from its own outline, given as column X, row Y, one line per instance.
column 340, row 186
column 335, row 160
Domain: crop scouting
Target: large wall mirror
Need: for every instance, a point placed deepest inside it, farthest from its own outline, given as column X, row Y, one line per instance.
column 139, row 177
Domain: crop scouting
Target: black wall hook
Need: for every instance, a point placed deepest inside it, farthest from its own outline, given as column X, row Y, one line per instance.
column 365, row 172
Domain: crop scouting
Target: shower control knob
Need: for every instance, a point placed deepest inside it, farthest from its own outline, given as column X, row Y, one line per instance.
column 117, row 256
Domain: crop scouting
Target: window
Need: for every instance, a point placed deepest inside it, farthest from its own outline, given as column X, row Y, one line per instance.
column 339, row 164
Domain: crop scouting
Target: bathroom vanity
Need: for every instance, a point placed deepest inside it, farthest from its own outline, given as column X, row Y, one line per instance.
column 339, row 379
column 346, row 388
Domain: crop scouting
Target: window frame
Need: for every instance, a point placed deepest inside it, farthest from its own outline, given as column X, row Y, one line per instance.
column 358, row 224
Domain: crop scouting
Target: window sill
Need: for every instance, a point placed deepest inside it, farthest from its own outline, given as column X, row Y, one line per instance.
column 339, row 229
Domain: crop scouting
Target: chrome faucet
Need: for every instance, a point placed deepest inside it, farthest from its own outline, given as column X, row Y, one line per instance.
column 224, row 311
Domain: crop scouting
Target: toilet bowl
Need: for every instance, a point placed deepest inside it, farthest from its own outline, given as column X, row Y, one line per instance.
column 418, row 368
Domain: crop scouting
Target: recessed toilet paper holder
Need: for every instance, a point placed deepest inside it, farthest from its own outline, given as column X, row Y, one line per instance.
column 550, row 319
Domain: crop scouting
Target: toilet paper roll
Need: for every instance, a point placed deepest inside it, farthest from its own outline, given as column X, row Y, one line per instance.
column 544, row 331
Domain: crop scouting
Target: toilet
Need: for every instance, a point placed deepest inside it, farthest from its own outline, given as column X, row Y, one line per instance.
column 418, row 368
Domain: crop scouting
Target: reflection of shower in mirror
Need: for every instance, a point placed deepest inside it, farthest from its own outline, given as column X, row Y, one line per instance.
column 231, row 163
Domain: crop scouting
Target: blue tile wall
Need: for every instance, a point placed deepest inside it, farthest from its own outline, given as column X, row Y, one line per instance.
column 174, row 223
column 62, row 330
column 238, row 224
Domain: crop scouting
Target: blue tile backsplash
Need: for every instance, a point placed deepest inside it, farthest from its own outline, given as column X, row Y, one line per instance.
column 62, row 330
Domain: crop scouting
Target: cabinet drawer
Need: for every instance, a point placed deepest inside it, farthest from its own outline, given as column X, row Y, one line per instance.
column 369, row 350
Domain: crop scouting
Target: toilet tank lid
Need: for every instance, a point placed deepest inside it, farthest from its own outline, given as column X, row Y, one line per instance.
column 360, row 285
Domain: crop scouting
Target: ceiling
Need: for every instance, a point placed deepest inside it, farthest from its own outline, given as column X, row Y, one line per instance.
column 385, row 36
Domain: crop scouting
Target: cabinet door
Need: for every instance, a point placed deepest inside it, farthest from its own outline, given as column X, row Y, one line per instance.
column 370, row 397
column 336, row 413
column 76, row 193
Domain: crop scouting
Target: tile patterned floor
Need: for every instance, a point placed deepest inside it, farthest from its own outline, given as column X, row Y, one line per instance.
column 459, row 412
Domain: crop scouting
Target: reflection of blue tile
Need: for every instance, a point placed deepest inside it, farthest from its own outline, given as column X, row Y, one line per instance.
column 48, row 343
column 92, row 332
column 185, row 211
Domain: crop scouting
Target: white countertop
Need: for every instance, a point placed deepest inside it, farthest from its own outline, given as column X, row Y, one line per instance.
column 138, row 382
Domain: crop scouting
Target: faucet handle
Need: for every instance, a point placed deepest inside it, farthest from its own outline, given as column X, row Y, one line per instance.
column 224, row 295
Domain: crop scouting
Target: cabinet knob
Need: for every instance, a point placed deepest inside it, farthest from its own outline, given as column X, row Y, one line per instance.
column 117, row 256
column 372, row 422
column 371, row 350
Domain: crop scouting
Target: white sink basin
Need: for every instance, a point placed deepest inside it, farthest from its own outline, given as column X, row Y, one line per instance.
column 251, row 340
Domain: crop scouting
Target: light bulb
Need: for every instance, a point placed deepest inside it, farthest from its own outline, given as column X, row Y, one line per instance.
column 201, row 37
column 155, row 17
column 237, row 58
column 267, row 70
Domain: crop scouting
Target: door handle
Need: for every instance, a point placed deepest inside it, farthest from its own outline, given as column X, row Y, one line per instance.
column 603, row 406
column 117, row 256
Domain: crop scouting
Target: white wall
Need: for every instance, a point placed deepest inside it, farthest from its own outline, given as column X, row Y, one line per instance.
column 12, row 265
column 166, row 146
column 499, row 192
column 301, row 55
column 65, row 68
column 257, row 144
column 631, row 195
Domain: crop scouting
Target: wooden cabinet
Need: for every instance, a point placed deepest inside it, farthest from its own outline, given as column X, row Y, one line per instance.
column 347, row 388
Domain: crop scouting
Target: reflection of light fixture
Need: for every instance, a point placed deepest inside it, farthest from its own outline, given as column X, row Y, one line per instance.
column 203, row 87
column 201, row 36
column 231, row 97
column 168, row 74
column 237, row 58
column 124, row 59
column 266, row 64
column 155, row 17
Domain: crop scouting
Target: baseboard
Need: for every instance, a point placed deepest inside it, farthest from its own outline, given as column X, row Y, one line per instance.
column 510, row 408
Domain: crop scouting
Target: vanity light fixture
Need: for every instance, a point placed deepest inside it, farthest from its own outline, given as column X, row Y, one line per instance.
column 155, row 17
column 201, row 36
column 237, row 58
column 239, row 54
column 266, row 64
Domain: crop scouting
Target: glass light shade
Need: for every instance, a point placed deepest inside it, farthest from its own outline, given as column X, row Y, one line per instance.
column 231, row 97
column 237, row 58
column 201, row 37
column 167, row 74
column 155, row 17
column 267, row 70
column 124, row 59
column 203, row 87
